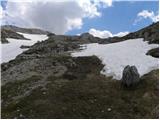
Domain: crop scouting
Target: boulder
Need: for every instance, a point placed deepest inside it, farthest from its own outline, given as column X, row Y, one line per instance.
column 130, row 76
column 154, row 52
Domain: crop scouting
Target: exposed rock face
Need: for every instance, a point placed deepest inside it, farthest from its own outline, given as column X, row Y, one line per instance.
column 10, row 34
column 130, row 76
column 86, row 36
column 24, row 30
column 24, row 47
column 154, row 52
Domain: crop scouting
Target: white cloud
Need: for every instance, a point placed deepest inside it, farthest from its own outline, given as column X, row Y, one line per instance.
column 100, row 34
column 104, row 2
column 58, row 16
column 121, row 34
column 105, row 33
column 146, row 14
column 74, row 23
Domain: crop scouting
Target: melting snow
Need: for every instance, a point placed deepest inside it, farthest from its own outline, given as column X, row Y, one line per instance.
column 12, row 49
column 116, row 56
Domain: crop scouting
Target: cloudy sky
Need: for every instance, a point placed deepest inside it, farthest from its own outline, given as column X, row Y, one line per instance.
column 102, row 18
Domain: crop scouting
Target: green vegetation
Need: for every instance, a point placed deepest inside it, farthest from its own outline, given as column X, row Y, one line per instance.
column 84, row 94
column 13, row 89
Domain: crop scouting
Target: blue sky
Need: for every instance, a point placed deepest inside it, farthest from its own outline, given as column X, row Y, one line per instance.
column 120, row 17
column 105, row 17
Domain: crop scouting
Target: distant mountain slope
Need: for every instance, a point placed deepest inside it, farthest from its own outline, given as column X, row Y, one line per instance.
column 24, row 30
column 149, row 33
column 6, row 33
column 10, row 31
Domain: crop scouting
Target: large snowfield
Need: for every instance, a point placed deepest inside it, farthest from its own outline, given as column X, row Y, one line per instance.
column 12, row 49
column 116, row 56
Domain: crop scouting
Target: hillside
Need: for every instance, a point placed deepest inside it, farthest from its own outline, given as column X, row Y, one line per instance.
column 23, row 30
column 10, row 34
column 45, row 81
column 9, row 31
column 149, row 33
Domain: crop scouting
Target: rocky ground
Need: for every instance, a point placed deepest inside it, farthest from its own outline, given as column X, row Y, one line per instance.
column 46, row 82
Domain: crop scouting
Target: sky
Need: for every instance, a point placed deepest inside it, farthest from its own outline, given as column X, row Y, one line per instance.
column 101, row 18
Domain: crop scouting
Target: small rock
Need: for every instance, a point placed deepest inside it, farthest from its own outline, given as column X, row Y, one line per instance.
column 18, row 110
column 21, row 116
column 95, row 100
column 146, row 95
column 102, row 111
column 109, row 109
column 92, row 101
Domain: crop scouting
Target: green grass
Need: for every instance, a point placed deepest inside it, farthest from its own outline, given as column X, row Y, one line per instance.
column 13, row 89
column 88, row 95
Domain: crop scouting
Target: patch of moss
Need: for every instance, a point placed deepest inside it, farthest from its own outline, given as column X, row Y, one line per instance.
column 13, row 89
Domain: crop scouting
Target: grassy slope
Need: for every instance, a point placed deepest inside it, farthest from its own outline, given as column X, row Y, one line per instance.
column 82, row 92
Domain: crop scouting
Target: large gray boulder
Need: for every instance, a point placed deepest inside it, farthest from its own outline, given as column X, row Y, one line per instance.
column 153, row 52
column 130, row 76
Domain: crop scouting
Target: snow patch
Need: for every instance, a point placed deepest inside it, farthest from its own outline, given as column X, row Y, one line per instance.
column 116, row 56
column 12, row 49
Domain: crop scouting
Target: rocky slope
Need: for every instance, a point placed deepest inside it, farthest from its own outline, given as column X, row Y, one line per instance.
column 9, row 31
column 24, row 30
column 46, row 82
column 149, row 33
column 10, row 34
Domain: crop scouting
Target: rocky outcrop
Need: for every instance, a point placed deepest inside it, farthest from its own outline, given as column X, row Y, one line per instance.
column 24, row 46
column 154, row 52
column 5, row 33
column 86, row 37
column 130, row 76
column 24, row 30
